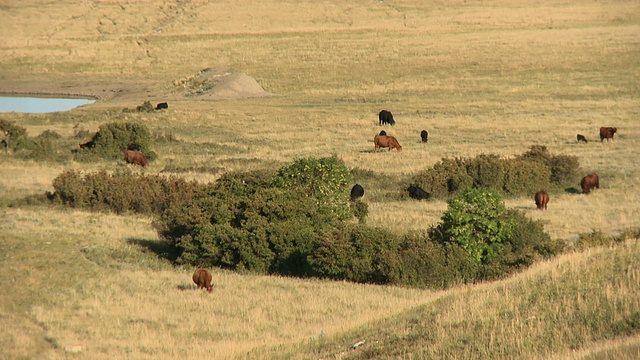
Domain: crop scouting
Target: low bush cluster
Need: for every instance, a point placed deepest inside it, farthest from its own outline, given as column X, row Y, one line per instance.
column 113, row 138
column 121, row 192
column 523, row 175
column 298, row 221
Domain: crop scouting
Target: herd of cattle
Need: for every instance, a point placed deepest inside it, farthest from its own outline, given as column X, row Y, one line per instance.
column 382, row 140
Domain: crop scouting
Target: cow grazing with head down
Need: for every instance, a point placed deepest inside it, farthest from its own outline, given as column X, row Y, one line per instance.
column 589, row 183
column 424, row 135
column 607, row 132
column 386, row 142
column 417, row 193
column 542, row 199
column 581, row 138
column 382, row 133
column 135, row 158
column 386, row 117
column 202, row 278
column 162, row 105
column 357, row 192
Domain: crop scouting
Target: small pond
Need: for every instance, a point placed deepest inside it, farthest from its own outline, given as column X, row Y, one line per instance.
column 40, row 104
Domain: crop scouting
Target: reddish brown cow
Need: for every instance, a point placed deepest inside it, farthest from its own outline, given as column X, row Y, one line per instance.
column 202, row 278
column 382, row 141
column 135, row 158
column 542, row 199
column 590, row 182
column 607, row 133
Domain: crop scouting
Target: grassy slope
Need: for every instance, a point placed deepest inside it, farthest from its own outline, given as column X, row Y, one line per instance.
column 493, row 78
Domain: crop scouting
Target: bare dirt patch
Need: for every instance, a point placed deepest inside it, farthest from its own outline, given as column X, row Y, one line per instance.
column 217, row 83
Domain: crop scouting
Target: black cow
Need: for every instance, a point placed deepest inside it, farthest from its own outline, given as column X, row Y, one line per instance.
column 383, row 133
column 162, row 105
column 417, row 193
column 357, row 192
column 424, row 135
column 386, row 117
column 581, row 138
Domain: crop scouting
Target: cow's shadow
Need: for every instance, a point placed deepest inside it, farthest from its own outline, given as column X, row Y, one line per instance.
column 572, row 190
column 158, row 247
column 187, row 287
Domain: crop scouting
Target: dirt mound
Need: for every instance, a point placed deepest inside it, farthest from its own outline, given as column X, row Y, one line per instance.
column 219, row 84
column 209, row 84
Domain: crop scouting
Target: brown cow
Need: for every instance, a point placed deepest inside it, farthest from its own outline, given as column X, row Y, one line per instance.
column 135, row 158
column 202, row 278
column 590, row 182
column 542, row 199
column 607, row 133
column 382, row 141
column 581, row 138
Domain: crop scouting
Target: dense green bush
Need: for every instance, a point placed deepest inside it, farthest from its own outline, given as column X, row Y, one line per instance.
column 112, row 139
column 262, row 222
column 498, row 241
column 298, row 221
column 356, row 253
column 446, row 177
column 476, row 221
column 522, row 175
column 525, row 177
column 527, row 244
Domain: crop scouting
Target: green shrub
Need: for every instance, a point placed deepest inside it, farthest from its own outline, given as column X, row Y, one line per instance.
column 487, row 171
column 446, row 177
column 527, row 244
column 15, row 136
column 476, row 221
column 120, row 193
column 360, row 210
column 356, row 253
column 525, row 177
column 113, row 138
column 262, row 222
column 422, row 263
column 324, row 179
column 565, row 169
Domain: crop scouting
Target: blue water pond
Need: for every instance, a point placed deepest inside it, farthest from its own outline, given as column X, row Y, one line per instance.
column 40, row 104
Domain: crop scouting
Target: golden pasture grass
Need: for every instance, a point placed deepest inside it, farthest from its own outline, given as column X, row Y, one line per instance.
column 492, row 79
column 570, row 303
column 113, row 300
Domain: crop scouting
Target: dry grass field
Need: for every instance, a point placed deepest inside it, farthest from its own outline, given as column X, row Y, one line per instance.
column 491, row 78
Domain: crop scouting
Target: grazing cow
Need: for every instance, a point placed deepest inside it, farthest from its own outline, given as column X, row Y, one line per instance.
column 607, row 133
column 202, row 278
column 386, row 142
column 582, row 138
column 386, row 117
column 542, row 199
column 88, row 144
column 383, row 133
column 162, row 105
column 357, row 192
column 135, row 158
column 417, row 193
column 424, row 135
column 590, row 182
